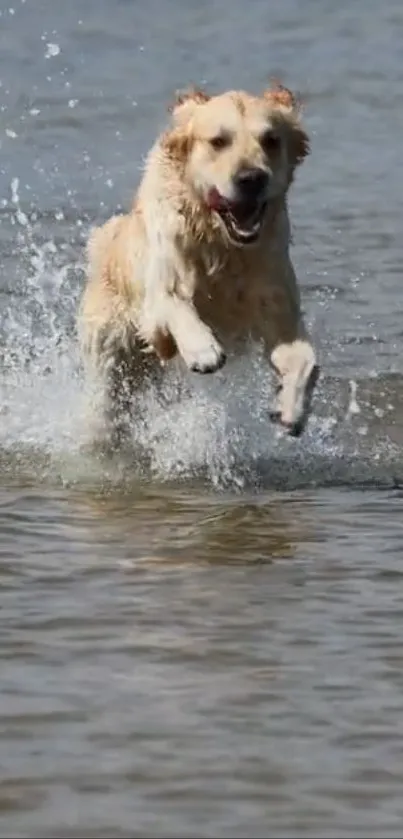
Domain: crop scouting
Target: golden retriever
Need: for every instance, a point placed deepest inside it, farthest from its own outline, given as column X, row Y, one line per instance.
column 200, row 265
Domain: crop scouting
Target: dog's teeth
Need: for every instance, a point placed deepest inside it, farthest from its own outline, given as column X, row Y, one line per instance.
column 246, row 229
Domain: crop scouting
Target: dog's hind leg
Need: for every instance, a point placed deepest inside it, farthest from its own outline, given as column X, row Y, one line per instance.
column 109, row 385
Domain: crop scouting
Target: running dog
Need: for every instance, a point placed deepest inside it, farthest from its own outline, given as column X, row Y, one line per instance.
column 200, row 266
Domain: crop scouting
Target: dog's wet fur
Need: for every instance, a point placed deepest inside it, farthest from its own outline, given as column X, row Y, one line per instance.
column 201, row 265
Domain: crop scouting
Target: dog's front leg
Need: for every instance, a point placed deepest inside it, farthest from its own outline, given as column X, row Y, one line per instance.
column 175, row 325
column 170, row 317
column 295, row 364
column 196, row 342
column 290, row 352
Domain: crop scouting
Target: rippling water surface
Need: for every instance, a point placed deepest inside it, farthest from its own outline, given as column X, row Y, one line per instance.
column 201, row 637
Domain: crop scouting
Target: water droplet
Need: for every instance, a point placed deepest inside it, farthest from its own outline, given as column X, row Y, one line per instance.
column 353, row 407
column 52, row 50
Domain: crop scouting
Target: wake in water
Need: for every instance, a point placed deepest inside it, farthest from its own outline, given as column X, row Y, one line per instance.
column 218, row 428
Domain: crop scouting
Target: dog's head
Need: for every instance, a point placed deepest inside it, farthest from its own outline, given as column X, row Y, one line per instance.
column 238, row 153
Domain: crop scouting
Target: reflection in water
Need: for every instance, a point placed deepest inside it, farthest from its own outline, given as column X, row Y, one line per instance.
column 163, row 671
column 171, row 527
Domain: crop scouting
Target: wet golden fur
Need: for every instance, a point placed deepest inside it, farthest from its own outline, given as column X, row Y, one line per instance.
column 165, row 277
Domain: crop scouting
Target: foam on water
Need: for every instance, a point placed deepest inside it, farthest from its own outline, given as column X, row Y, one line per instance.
column 219, row 427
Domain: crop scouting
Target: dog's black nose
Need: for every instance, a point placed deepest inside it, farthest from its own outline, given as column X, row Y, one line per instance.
column 251, row 182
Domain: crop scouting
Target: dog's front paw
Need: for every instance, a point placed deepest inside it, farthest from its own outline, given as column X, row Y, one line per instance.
column 207, row 358
column 292, row 407
column 298, row 371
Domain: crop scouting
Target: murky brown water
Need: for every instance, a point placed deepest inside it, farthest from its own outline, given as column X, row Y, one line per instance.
column 175, row 664
column 204, row 637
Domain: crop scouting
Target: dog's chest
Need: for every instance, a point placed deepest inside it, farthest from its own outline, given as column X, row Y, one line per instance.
column 233, row 302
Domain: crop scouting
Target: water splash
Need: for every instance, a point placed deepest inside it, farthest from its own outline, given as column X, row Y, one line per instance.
column 217, row 428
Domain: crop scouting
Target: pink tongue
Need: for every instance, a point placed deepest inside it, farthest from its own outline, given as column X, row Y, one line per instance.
column 215, row 200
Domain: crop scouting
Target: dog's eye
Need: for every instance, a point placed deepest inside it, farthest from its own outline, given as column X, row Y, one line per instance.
column 270, row 142
column 220, row 141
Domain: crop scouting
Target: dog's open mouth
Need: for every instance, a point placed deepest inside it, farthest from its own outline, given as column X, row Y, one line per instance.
column 243, row 221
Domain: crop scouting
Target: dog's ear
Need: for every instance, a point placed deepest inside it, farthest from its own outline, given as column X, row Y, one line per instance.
column 289, row 106
column 185, row 102
column 299, row 144
column 178, row 139
column 281, row 97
